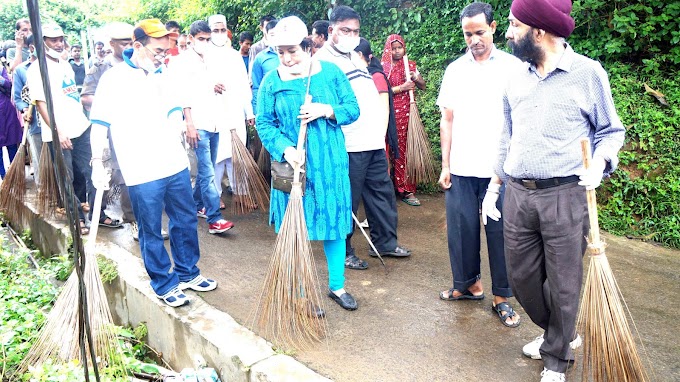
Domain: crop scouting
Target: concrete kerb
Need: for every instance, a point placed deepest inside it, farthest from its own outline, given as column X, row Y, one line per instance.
column 179, row 334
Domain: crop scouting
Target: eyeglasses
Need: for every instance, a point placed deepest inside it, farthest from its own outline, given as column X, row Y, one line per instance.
column 344, row 31
column 156, row 55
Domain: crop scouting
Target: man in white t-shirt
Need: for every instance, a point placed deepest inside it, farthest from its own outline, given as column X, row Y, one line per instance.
column 198, row 89
column 72, row 126
column 134, row 102
column 365, row 140
column 471, row 102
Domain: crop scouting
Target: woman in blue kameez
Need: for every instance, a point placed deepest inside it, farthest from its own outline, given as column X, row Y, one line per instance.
column 280, row 109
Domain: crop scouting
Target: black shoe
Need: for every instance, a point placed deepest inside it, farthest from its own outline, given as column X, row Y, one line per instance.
column 316, row 311
column 397, row 252
column 353, row 262
column 346, row 300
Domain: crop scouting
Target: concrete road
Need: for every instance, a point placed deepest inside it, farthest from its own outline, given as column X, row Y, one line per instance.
column 402, row 331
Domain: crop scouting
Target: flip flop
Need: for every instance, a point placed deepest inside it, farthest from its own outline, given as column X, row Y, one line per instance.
column 113, row 222
column 509, row 312
column 467, row 295
column 411, row 201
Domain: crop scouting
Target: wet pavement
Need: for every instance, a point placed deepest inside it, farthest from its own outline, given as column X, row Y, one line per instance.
column 402, row 331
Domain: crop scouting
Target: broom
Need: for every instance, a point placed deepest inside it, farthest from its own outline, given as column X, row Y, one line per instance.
column 609, row 350
column 48, row 189
column 291, row 287
column 264, row 163
column 63, row 324
column 419, row 161
column 250, row 189
column 13, row 189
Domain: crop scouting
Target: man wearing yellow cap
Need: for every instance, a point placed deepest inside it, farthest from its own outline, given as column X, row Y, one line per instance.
column 134, row 103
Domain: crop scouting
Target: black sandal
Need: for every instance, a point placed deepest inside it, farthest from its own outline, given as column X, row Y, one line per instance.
column 509, row 313
column 113, row 222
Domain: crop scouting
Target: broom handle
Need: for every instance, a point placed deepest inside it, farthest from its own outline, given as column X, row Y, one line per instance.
column 302, row 135
column 27, row 125
column 407, row 71
column 590, row 195
column 94, row 223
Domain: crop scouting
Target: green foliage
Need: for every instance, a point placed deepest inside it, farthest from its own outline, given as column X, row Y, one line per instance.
column 642, row 198
column 25, row 296
column 10, row 12
column 108, row 269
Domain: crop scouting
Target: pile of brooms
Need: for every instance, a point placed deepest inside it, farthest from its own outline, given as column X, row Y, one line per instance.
column 609, row 350
column 79, row 326
column 250, row 189
column 13, row 189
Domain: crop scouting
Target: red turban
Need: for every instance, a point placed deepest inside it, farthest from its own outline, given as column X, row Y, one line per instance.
column 550, row 15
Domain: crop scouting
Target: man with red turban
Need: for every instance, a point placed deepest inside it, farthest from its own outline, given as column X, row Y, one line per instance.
column 558, row 98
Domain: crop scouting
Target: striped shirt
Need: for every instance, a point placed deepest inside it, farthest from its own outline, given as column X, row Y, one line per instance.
column 546, row 117
column 368, row 132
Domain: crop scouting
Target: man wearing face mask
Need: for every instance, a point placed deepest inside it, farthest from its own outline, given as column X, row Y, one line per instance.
column 198, row 100
column 233, row 102
column 18, row 84
column 73, row 128
column 152, row 160
column 264, row 62
column 364, row 140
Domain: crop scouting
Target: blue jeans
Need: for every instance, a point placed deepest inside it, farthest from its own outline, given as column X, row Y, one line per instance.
column 147, row 202
column 205, row 192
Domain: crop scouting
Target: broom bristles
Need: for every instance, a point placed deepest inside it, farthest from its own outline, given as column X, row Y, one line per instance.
column 58, row 338
column 291, row 286
column 48, row 189
column 419, row 160
column 264, row 163
column 13, row 189
column 609, row 349
column 249, row 186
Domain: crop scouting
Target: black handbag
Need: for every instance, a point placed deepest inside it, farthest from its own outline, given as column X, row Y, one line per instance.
column 282, row 176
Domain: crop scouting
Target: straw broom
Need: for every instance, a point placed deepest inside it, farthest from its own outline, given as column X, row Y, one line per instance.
column 264, row 163
column 609, row 350
column 58, row 338
column 250, row 189
column 13, row 190
column 48, row 189
column 419, row 161
column 291, row 287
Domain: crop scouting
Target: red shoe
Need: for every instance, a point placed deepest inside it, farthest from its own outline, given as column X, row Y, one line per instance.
column 220, row 226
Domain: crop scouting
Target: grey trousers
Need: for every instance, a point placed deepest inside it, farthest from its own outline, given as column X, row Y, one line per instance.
column 545, row 239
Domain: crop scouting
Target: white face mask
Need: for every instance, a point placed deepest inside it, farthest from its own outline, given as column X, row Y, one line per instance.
column 52, row 53
column 219, row 39
column 147, row 64
column 200, row 46
column 347, row 44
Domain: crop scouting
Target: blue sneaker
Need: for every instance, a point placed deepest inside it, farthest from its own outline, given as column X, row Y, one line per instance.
column 199, row 284
column 175, row 298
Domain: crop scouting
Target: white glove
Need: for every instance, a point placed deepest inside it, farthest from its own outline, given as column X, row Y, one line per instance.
column 100, row 177
column 493, row 191
column 293, row 156
column 591, row 178
column 312, row 111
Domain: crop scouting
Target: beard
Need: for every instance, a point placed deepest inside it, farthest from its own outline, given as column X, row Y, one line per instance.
column 526, row 49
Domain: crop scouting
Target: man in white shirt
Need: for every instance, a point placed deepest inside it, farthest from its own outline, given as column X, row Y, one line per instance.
column 72, row 126
column 198, row 89
column 471, row 102
column 365, row 140
column 135, row 103
column 233, row 103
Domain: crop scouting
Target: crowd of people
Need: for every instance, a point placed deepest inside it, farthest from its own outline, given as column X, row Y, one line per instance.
column 510, row 131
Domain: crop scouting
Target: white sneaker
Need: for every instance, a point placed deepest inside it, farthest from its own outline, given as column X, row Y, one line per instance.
column 532, row 349
column 552, row 376
column 174, row 298
column 199, row 284
column 134, row 228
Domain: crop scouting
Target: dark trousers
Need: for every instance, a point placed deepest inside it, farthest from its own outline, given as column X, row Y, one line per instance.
column 545, row 233
column 78, row 160
column 371, row 182
column 463, row 225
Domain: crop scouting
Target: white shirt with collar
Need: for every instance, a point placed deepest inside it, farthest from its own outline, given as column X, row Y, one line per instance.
column 367, row 133
column 474, row 91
